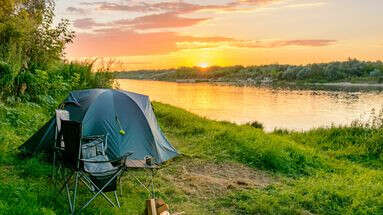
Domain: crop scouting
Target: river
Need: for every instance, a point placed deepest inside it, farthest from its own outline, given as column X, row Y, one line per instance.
column 274, row 108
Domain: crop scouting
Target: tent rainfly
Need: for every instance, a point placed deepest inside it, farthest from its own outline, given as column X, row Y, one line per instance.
column 127, row 118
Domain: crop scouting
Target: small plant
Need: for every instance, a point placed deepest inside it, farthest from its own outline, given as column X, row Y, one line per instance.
column 255, row 124
column 281, row 131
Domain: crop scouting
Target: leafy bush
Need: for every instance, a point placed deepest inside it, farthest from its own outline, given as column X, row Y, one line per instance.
column 30, row 44
column 82, row 76
column 255, row 124
column 290, row 74
column 46, row 86
column 376, row 73
column 304, row 73
column 333, row 72
column 6, row 76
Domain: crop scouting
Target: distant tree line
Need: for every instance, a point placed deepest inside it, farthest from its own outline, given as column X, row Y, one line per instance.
column 350, row 70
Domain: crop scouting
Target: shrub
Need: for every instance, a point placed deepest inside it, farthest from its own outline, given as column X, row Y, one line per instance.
column 46, row 86
column 255, row 124
column 376, row 73
column 30, row 43
column 6, row 76
column 304, row 73
column 290, row 74
column 333, row 72
column 37, row 83
column 82, row 76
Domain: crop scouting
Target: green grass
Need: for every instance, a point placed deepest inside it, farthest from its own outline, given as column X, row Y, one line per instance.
column 323, row 171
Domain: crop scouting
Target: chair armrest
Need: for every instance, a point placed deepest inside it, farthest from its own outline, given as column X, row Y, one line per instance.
column 58, row 148
column 93, row 137
column 93, row 161
column 122, row 158
column 127, row 154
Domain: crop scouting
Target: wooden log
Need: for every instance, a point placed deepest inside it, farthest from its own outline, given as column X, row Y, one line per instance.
column 151, row 206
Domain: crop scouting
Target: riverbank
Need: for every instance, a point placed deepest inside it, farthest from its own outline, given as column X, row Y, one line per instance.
column 346, row 74
column 225, row 169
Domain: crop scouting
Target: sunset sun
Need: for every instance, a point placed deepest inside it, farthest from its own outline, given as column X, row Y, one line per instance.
column 203, row 65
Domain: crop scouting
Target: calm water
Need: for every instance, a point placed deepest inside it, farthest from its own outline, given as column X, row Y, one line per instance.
column 289, row 109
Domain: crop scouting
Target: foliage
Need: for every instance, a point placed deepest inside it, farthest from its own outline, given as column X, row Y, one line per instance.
column 360, row 143
column 255, row 124
column 29, row 43
column 376, row 73
column 46, row 86
column 81, row 76
column 351, row 70
column 6, row 77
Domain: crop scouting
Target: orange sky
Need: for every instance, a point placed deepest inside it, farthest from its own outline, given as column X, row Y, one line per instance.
column 139, row 34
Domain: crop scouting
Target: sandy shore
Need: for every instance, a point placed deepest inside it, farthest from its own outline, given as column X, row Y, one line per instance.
column 348, row 84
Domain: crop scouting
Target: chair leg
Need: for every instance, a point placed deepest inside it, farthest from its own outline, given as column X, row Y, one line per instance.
column 94, row 188
column 87, row 184
column 152, row 183
column 119, row 182
column 100, row 191
column 66, row 183
column 115, row 195
column 53, row 166
column 61, row 171
column 75, row 192
column 69, row 199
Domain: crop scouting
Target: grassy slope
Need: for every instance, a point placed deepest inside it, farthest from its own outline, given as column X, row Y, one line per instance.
column 324, row 171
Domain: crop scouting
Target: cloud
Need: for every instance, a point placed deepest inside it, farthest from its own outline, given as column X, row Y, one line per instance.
column 159, row 14
column 154, row 21
column 282, row 43
column 76, row 10
column 123, row 38
column 179, row 7
column 164, row 20
column 117, row 42
column 305, row 5
column 254, row 44
column 87, row 23
column 312, row 43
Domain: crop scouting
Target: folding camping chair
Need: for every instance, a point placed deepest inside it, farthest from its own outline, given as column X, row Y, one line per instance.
column 86, row 157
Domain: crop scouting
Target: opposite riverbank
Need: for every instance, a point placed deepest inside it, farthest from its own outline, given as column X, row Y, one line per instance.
column 347, row 74
column 225, row 168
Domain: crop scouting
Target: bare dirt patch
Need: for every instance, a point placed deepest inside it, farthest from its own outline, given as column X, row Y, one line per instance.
column 206, row 179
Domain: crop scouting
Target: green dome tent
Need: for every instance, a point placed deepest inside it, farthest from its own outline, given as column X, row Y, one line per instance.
column 127, row 118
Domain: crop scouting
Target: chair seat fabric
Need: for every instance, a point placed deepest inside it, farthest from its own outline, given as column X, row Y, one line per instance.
column 99, row 169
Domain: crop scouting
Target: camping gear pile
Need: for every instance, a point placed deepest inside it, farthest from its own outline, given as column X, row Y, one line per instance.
column 99, row 134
